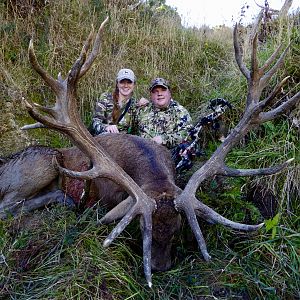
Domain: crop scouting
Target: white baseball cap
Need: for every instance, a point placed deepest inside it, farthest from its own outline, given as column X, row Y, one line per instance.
column 126, row 74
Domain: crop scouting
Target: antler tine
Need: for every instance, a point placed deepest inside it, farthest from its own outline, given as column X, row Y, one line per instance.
column 194, row 207
column 51, row 82
column 238, row 54
column 139, row 208
column 212, row 216
column 274, row 93
column 192, row 219
column 254, row 90
column 44, row 119
column 57, row 119
column 118, row 211
column 147, row 242
column 208, row 214
column 145, row 209
column 267, row 76
column 272, row 58
column 74, row 73
column 48, row 110
column 283, row 108
column 126, row 208
column 284, row 9
column 94, row 172
column 33, row 126
column 256, row 23
column 120, row 227
column 89, row 61
column 254, row 172
column 66, row 105
column 255, row 71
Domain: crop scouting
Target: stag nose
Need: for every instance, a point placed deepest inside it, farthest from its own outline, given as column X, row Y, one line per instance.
column 161, row 258
column 160, row 267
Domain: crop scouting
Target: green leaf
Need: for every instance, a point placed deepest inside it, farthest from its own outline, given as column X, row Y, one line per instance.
column 272, row 223
column 274, row 230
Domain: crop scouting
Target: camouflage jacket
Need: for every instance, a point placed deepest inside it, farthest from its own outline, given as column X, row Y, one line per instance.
column 172, row 123
column 103, row 116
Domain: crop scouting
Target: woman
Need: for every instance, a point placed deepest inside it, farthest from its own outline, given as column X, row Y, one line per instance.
column 116, row 112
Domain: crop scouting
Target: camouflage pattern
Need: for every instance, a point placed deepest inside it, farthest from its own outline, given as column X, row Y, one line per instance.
column 103, row 116
column 172, row 123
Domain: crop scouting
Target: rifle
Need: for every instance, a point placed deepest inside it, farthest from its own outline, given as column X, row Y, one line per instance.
column 188, row 149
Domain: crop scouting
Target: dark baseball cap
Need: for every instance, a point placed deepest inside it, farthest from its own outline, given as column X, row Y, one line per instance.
column 159, row 82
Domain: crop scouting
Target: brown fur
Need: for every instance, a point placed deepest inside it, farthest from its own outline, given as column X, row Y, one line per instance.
column 116, row 110
column 149, row 164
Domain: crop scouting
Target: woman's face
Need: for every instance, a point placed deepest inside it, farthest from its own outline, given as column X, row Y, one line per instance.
column 126, row 88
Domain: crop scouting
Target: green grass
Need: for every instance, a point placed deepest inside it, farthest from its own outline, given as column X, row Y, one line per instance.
column 58, row 255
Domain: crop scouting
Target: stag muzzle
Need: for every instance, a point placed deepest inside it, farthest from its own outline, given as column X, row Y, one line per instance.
column 166, row 222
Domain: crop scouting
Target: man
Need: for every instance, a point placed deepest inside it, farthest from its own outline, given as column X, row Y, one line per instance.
column 163, row 119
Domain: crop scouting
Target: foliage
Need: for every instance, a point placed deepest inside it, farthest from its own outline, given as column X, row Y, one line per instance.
column 58, row 254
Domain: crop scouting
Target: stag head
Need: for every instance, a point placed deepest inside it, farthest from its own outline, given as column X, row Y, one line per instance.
column 64, row 117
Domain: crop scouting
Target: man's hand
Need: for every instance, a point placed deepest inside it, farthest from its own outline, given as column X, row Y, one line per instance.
column 112, row 129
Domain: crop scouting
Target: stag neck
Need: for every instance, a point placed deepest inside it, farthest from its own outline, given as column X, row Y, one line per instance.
column 102, row 162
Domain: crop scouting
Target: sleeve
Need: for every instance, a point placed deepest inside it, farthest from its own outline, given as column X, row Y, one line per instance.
column 134, row 118
column 143, row 114
column 103, row 114
column 178, row 131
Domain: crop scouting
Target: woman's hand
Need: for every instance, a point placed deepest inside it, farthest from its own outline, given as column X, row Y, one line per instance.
column 112, row 129
column 142, row 102
column 158, row 139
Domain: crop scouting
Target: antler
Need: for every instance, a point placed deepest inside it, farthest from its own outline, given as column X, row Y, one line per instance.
column 64, row 117
column 254, row 115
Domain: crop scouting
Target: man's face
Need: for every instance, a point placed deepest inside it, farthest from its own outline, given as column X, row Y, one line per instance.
column 160, row 96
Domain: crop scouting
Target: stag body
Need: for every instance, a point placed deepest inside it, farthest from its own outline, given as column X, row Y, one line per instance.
column 149, row 165
column 29, row 180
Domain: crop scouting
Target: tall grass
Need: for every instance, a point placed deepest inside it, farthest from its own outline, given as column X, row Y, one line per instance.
column 184, row 56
